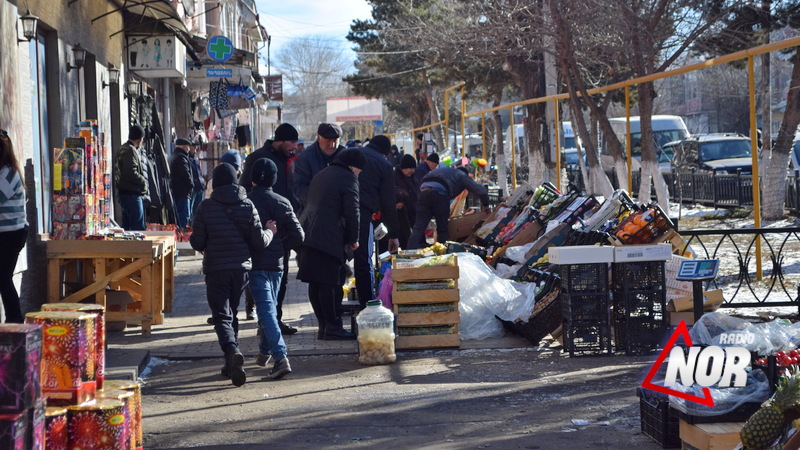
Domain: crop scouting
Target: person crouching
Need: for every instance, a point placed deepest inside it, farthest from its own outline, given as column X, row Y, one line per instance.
column 226, row 230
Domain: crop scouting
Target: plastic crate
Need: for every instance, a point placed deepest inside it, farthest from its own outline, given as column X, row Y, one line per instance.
column 638, row 276
column 586, row 338
column 542, row 322
column 456, row 247
column 639, row 336
column 651, row 305
column 589, row 307
column 657, row 419
column 656, row 224
column 740, row 414
column 584, row 278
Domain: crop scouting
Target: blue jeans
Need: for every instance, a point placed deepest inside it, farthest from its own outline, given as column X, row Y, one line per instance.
column 182, row 211
column 264, row 286
column 132, row 211
column 196, row 198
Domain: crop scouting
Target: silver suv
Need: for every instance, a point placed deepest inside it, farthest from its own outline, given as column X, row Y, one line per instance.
column 724, row 153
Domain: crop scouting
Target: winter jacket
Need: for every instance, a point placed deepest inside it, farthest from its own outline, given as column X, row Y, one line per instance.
column 227, row 229
column 394, row 158
column 180, row 169
column 455, row 181
column 376, row 189
column 331, row 215
column 422, row 169
column 306, row 166
column 272, row 206
column 282, row 186
column 410, row 187
column 129, row 172
column 197, row 174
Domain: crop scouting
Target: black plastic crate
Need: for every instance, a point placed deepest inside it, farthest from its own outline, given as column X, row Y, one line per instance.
column 455, row 247
column 640, row 335
column 638, row 276
column 740, row 414
column 650, row 305
column 584, row 278
column 588, row 307
column 541, row 323
column 657, row 419
column 586, row 338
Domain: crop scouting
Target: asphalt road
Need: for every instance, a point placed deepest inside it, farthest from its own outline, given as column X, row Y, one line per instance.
column 454, row 399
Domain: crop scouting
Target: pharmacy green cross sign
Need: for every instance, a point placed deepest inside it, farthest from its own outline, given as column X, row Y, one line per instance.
column 219, row 48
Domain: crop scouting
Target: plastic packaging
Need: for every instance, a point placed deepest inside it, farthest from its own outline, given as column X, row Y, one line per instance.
column 763, row 338
column 726, row 400
column 375, row 335
column 385, row 289
column 518, row 253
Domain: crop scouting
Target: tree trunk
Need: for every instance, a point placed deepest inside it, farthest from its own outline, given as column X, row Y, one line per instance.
column 500, row 155
column 649, row 171
column 526, row 75
column 774, row 182
column 419, row 111
column 436, row 131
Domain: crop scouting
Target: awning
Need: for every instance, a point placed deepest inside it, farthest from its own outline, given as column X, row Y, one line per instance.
column 159, row 10
column 239, row 58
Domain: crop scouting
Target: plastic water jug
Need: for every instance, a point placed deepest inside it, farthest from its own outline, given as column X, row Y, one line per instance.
column 375, row 335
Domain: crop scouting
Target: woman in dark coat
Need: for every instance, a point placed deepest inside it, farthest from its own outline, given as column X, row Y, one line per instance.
column 406, row 192
column 330, row 219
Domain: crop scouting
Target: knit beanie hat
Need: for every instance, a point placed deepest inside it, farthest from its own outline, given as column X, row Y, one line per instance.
column 135, row 133
column 224, row 174
column 265, row 172
column 233, row 158
column 381, row 143
column 434, row 158
column 285, row 132
column 408, row 162
column 352, row 157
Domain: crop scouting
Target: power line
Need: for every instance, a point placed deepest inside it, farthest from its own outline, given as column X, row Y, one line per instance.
column 391, row 74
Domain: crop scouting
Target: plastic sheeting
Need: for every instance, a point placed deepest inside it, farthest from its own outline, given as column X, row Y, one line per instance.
column 763, row 338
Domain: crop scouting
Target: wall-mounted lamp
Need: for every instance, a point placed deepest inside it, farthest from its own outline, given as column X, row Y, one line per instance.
column 132, row 89
column 79, row 54
column 113, row 77
column 29, row 23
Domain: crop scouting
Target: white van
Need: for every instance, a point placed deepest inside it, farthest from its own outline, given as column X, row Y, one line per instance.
column 569, row 140
column 665, row 129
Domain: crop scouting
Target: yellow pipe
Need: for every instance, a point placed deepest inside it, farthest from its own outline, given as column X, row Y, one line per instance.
column 628, row 136
column 558, row 145
column 446, row 91
column 447, row 118
column 513, row 153
column 463, row 121
column 766, row 48
column 751, row 78
column 483, row 136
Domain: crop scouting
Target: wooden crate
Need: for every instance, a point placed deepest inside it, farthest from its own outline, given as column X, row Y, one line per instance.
column 425, row 273
column 433, row 318
column 710, row 436
column 428, row 341
column 429, row 296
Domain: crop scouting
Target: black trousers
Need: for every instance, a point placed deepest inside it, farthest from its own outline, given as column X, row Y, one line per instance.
column 324, row 302
column 11, row 242
column 431, row 204
column 224, row 291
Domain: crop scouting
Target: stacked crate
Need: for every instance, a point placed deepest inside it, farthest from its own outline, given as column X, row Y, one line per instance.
column 426, row 318
column 639, row 293
column 585, row 309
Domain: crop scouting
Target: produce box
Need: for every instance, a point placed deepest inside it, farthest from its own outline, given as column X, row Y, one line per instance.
column 581, row 254
column 712, row 300
column 428, row 341
column 710, row 436
column 20, row 367
column 645, row 252
column 461, row 227
column 432, row 271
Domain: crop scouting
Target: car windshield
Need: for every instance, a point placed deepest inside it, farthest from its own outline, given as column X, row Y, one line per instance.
column 710, row 151
column 569, row 142
column 666, row 154
column 571, row 157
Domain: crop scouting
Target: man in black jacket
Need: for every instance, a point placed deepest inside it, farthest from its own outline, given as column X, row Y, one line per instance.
column 314, row 158
column 280, row 150
column 181, row 181
column 425, row 166
column 376, row 193
column 265, row 277
column 130, row 179
column 437, row 189
column 226, row 230
column 199, row 180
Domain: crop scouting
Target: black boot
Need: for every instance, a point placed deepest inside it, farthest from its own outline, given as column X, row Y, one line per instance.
column 336, row 332
column 234, row 363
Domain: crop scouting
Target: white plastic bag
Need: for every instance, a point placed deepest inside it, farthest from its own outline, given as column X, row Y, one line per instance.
column 518, row 253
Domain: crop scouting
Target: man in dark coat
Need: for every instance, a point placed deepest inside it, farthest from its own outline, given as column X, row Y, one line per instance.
column 407, row 191
column 429, row 163
column 181, row 181
column 199, row 180
column 314, row 158
column 265, row 277
column 437, row 189
column 331, row 221
column 376, row 193
column 395, row 156
column 130, row 179
column 280, row 151
column 226, row 230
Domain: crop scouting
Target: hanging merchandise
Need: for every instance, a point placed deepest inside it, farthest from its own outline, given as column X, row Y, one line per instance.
column 202, row 109
column 218, row 94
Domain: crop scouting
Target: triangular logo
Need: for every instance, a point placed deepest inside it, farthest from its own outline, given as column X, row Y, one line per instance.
column 681, row 331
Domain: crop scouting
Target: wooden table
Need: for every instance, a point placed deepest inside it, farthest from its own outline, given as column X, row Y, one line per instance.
column 145, row 269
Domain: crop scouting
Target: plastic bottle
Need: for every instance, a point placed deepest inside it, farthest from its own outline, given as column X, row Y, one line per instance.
column 375, row 335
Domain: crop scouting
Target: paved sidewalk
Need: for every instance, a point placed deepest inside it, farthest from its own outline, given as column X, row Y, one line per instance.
column 184, row 335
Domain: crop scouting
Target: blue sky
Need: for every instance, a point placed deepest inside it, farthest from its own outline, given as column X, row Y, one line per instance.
column 287, row 19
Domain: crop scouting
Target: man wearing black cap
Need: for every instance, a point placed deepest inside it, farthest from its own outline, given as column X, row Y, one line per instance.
column 131, row 181
column 227, row 229
column 437, row 189
column 425, row 166
column 279, row 150
column 376, row 193
column 181, row 181
column 331, row 224
column 314, row 158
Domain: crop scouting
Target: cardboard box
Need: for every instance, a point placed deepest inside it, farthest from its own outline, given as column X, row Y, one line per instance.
column 711, row 301
column 581, row 254
column 461, row 227
column 675, row 318
column 645, row 252
column 20, row 367
column 710, row 436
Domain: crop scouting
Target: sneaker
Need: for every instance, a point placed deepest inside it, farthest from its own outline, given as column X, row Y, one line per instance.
column 280, row 369
column 262, row 359
column 286, row 330
column 235, row 364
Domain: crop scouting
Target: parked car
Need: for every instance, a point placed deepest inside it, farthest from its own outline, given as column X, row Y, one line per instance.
column 723, row 153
